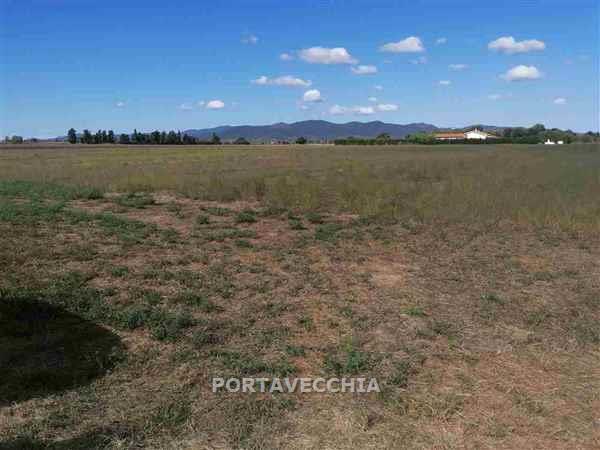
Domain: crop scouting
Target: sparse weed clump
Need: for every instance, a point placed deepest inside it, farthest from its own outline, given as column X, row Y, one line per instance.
column 246, row 216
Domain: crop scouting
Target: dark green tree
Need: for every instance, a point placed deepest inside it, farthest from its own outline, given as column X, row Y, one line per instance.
column 111, row 137
column 215, row 140
column 124, row 139
column 87, row 137
column 171, row 138
column 155, row 137
column 72, row 136
column 301, row 140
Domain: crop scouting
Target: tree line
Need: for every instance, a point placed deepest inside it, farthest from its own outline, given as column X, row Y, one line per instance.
column 516, row 135
column 154, row 138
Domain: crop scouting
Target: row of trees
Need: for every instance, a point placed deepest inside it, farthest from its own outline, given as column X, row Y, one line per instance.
column 520, row 135
column 382, row 139
column 13, row 139
column 153, row 138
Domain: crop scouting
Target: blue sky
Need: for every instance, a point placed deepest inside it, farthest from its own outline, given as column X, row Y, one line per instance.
column 195, row 64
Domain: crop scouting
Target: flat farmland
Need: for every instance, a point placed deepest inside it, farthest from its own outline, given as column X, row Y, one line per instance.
column 466, row 279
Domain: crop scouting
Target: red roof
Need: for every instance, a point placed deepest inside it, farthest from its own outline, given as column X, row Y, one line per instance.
column 450, row 135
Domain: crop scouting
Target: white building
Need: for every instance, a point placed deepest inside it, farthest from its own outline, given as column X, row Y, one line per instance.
column 549, row 142
column 476, row 133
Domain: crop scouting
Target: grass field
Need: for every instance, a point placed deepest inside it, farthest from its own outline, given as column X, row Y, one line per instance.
column 466, row 279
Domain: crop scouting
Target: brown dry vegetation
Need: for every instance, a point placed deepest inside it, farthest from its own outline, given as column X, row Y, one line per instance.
column 480, row 318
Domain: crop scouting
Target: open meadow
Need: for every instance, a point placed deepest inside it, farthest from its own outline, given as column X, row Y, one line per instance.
column 466, row 279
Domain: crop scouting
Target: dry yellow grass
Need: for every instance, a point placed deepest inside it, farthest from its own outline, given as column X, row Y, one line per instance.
column 481, row 322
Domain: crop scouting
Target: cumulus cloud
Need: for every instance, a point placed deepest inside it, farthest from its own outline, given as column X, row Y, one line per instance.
column 509, row 45
column 286, row 80
column 458, row 66
column 560, row 101
column 337, row 110
column 521, row 73
column 385, row 107
column 323, row 55
column 120, row 104
column 312, row 95
column 445, row 82
column 441, row 40
column 372, row 99
column 286, row 57
column 419, row 60
column 250, row 39
column 215, row 104
column 364, row 70
column 411, row 44
column 363, row 110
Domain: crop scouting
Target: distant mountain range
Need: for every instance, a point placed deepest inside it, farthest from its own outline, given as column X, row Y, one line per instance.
column 314, row 130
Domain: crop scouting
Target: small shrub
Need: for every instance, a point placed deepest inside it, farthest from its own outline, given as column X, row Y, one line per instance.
column 202, row 219
column 197, row 301
column 327, row 232
column 242, row 243
column 217, row 211
column 246, row 216
column 294, row 350
column 314, row 218
column 296, row 225
column 403, row 370
column 119, row 271
column 492, row 298
column 134, row 200
column 416, row 311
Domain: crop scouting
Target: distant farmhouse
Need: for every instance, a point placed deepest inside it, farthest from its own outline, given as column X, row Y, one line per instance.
column 474, row 133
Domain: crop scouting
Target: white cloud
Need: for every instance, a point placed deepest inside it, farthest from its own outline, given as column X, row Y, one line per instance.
column 323, row 55
column 313, row 95
column 363, row 110
column 445, row 82
column 337, row 110
column 201, row 103
column 509, row 45
column 458, row 66
column 120, row 104
column 378, row 87
column 441, row 40
column 387, row 107
column 286, row 57
column 215, row 104
column 286, row 80
column 560, row 101
column 520, row 73
column 411, row 44
column 419, row 60
column 364, row 70
column 249, row 39
column 372, row 99
column 186, row 107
